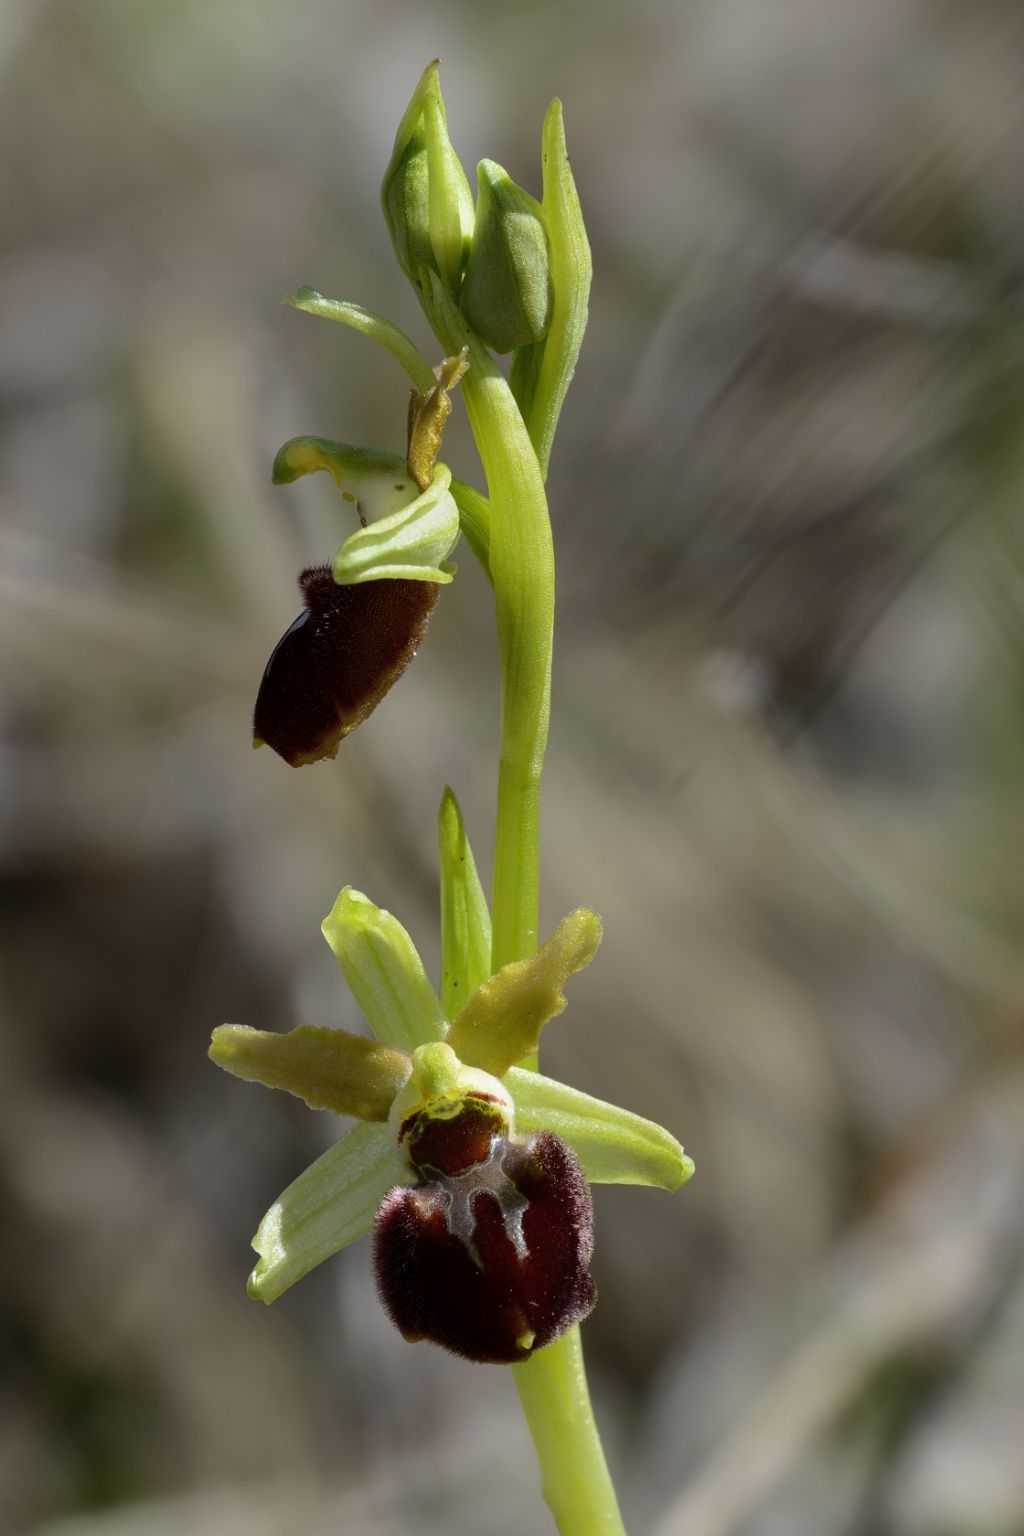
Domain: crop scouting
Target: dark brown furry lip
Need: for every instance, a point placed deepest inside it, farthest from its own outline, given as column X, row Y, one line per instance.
column 492, row 1267
column 335, row 663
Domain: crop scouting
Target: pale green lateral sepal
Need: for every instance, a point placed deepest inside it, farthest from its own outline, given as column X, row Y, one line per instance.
column 409, row 545
column 327, row 1068
column 465, row 920
column 613, row 1145
column 327, row 1207
column 502, row 1021
column 370, row 324
column 384, row 973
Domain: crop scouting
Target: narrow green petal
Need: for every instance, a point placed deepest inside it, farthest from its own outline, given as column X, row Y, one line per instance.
column 326, row 1208
column 465, row 920
column 328, row 1068
column 613, row 1145
column 503, row 1019
column 370, row 324
column 410, row 544
column 384, row 972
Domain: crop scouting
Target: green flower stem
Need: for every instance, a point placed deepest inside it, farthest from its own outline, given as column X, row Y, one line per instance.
column 552, row 1388
column 522, row 568
column 523, row 572
column 552, row 1384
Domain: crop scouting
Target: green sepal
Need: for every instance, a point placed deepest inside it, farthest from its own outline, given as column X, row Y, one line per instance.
column 506, row 292
column 613, row 1145
column 327, row 1068
column 502, row 1021
column 328, row 1206
column 402, row 349
column 384, row 972
column 425, row 196
column 465, row 920
column 410, row 544
column 541, row 373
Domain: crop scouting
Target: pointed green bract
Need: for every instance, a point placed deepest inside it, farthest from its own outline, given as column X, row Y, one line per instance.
column 465, row 920
column 613, row 1145
column 541, row 374
column 410, row 544
column 502, row 1021
column 506, row 293
column 328, row 1206
column 370, row 324
column 384, row 972
column 328, row 1068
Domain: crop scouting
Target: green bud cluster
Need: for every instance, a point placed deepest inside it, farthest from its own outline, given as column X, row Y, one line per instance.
column 517, row 270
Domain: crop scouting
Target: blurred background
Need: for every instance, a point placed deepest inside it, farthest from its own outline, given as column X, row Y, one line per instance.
column 785, row 763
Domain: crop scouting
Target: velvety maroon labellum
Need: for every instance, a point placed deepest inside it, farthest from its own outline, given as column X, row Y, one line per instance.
column 491, row 1262
column 333, row 666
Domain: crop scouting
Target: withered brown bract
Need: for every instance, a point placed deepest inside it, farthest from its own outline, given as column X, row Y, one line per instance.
column 491, row 1263
column 333, row 666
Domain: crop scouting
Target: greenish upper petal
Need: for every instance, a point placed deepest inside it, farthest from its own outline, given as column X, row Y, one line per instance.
column 328, row 1068
column 502, row 1021
column 384, row 972
column 613, row 1145
column 327, row 1207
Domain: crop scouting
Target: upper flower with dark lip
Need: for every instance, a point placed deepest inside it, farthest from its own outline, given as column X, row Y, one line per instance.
column 365, row 615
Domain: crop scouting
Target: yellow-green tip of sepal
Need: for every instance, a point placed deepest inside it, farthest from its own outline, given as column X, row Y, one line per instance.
column 425, row 196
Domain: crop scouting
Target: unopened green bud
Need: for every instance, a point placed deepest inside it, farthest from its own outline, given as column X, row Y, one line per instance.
column 425, row 195
column 506, row 294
